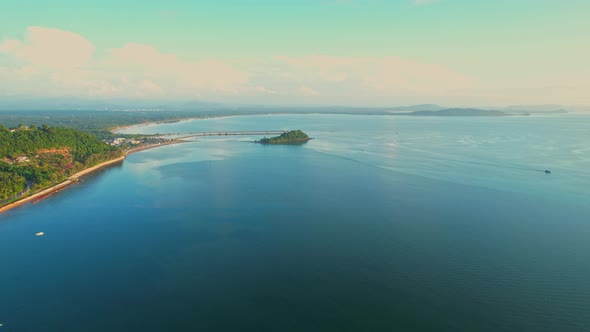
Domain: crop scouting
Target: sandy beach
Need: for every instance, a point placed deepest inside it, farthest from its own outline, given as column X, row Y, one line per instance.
column 75, row 177
column 151, row 146
column 117, row 129
column 59, row 186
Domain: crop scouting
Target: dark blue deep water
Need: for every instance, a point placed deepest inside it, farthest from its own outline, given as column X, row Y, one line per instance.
column 379, row 224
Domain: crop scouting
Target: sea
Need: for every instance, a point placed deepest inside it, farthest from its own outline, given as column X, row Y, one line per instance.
column 380, row 223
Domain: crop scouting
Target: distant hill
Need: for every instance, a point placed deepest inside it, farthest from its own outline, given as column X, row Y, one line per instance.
column 535, row 108
column 420, row 107
column 459, row 112
column 540, row 109
column 203, row 107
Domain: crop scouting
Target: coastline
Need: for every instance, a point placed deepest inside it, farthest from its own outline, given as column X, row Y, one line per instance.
column 151, row 146
column 76, row 177
column 116, row 129
column 39, row 195
column 72, row 179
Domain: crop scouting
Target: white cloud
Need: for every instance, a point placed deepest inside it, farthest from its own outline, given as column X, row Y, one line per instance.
column 367, row 76
column 264, row 90
column 61, row 63
column 53, row 62
column 307, row 91
column 51, row 48
column 208, row 75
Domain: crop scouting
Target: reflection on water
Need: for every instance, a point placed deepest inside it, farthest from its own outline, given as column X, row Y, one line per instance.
column 505, row 153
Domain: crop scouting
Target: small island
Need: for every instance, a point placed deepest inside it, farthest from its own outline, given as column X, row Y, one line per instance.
column 290, row 137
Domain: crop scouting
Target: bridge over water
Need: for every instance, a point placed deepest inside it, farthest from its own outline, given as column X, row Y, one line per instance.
column 224, row 133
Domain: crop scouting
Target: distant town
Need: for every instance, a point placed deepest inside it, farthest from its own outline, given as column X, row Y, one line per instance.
column 125, row 142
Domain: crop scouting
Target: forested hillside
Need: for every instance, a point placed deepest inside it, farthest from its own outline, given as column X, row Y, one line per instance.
column 291, row 137
column 34, row 158
column 98, row 123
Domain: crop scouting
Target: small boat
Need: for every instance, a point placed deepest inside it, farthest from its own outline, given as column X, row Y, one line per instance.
column 547, row 171
column 39, row 234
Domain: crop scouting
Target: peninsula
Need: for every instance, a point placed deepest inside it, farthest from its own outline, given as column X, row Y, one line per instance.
column 290, row 137
column 35, row 162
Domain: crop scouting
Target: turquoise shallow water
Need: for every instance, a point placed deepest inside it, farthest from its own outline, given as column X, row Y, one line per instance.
column 379, row 224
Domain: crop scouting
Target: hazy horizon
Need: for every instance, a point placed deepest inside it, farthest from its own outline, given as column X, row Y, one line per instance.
column 456, row 53
column 82, row 104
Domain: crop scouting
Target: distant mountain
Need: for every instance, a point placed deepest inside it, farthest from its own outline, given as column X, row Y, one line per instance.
column 545, row 109
column 419, row 107
column 534, row 108
column 459, row 112
column 13, row 103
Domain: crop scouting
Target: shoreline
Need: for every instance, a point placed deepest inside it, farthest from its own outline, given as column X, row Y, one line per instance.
column 152, row 146
column 116, row 129
column 47, row 191
column 76, row 177
column 384, row 113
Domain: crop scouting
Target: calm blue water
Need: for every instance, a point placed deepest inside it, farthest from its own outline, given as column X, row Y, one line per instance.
column 379, row 224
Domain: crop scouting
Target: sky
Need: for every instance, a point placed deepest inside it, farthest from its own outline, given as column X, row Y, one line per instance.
column 304, row 52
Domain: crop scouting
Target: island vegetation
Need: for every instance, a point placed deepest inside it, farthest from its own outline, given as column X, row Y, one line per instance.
column 290, row 137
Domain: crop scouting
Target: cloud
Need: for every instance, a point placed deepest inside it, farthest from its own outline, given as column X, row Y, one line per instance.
column 369, row 76
column 51, row 48
column 208, row 75
column 307, row 91
column 52, row 62
column 55, row 62
column 264, row 90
